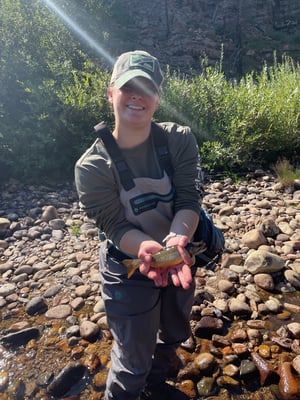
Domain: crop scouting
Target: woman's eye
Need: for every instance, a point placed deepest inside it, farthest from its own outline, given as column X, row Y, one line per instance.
column 147, row 90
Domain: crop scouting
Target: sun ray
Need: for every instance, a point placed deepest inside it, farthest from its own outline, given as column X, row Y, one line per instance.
column 79, row 31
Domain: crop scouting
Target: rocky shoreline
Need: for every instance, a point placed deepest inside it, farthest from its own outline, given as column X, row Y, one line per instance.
column 54, row 339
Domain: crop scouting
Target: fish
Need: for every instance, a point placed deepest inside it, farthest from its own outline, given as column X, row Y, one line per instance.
column 165, row 258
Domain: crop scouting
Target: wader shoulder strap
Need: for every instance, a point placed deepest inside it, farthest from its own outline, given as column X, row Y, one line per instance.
column 162, row 149
column 125, row 174
column 115, row 153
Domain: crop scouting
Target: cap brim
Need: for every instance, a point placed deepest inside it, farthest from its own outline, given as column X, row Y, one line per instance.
column 127, row 76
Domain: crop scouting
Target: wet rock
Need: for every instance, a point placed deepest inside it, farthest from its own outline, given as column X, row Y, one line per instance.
column 294, row 329
column 35, row 306
column 89, row 330
column 226, row 380
column 45, row 379
column 289, row 383
column 4, row 380
column 265, row 368
column 220, row 341
column 59, row 312
column 20, row 337
column 189, row 344
column 206, row 386
column 231, row 370
column 247, row 367
column 264, row 351
column 68, row 377
column 273, row 305
column 205, row 363
column 83, row 291
column 207, row 326
column 99, row 380
column 296, row 364
column 188, row 388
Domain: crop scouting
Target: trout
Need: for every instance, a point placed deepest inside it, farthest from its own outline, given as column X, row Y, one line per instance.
column 165, row 258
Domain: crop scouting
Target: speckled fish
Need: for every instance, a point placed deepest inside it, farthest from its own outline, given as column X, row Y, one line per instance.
column 165, row 258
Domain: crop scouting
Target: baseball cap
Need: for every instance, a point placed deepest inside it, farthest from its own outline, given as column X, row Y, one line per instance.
column 134, row 64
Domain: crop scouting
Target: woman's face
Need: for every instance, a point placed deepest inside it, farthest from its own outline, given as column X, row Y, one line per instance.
column 135, row 102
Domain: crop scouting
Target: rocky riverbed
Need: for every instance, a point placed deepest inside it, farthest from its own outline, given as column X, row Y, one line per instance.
column 54, row 339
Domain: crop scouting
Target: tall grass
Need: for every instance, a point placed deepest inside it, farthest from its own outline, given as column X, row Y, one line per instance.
column 286, row 173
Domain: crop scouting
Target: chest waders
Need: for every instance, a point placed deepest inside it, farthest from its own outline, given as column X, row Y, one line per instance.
column 147, row 323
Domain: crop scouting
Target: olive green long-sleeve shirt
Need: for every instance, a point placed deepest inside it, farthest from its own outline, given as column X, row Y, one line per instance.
column 98, row 183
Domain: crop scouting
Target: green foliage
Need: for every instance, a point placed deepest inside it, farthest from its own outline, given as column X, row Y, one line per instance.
column 243, row 124
column 53, row 91
column 41, row 132
column 74, row 230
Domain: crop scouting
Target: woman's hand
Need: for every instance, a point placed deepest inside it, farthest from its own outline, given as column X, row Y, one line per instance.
column 147, row 248
column 181, row 274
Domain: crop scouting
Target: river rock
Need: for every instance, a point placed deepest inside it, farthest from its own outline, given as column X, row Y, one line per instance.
column 261, row 261
column 294, row 329
column 89, row 330
column 7, row 289
column 264, row 281
column 59, row 312
column 254, row 238
column 69, row 376
column 20, row 337
column 292, row 277
column 52, row 260
column 49, row 213
column 296, row 364
column 239, row 307
column 36, row 306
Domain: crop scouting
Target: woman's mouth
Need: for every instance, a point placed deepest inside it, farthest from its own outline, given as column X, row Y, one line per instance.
column 136, row 108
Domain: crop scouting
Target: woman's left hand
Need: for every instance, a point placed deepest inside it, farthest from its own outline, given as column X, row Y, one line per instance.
column 181, row 274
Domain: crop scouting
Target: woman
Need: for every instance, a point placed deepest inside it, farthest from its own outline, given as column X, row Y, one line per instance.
column 148, row 314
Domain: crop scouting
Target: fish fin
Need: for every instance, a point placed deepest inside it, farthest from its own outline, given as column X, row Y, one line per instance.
column 131, row 265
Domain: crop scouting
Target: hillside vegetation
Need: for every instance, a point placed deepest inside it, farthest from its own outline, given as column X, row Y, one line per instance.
column 53, row 92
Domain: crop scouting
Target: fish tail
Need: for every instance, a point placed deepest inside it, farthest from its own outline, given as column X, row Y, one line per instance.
column 131, row 265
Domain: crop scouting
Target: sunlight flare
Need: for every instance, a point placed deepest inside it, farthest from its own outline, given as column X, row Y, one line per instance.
column 78, row 30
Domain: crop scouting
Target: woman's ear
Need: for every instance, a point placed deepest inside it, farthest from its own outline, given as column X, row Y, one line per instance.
column 109, row 94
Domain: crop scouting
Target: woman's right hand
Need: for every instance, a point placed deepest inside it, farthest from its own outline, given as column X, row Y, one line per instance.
column 147, row 248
